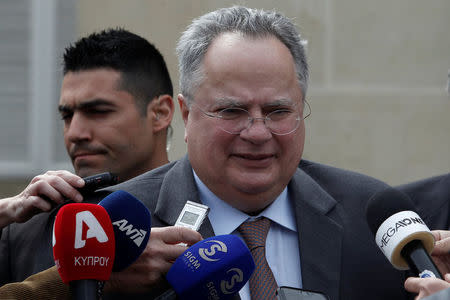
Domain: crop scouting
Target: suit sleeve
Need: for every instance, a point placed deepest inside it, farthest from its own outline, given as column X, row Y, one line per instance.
column 44, row 285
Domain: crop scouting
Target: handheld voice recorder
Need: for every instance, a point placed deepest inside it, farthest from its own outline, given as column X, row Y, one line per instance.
column 192, row 215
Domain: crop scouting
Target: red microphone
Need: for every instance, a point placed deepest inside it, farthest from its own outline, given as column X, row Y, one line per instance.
column 83, row 247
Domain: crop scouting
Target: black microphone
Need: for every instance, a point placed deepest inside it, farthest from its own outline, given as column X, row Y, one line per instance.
column 400, row 233
column 98, row 181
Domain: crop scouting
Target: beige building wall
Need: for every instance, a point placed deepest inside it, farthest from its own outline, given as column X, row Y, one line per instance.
column 378, row 88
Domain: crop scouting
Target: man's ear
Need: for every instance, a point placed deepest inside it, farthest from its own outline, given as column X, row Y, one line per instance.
column 184, row 113
column 183, row 108
column 161, row 110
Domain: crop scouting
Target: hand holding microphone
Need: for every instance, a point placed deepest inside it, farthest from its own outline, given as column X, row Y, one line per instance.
column 425, row 287
column 441, row 251
column 143, row 254
column 47, row 191
column 147, row 272
column 441, row 255
column 42, row 193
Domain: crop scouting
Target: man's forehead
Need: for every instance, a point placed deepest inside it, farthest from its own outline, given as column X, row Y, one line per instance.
column 86, row 83
column 93, row 87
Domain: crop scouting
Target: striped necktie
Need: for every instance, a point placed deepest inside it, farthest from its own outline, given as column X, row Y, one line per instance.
column 262, row 282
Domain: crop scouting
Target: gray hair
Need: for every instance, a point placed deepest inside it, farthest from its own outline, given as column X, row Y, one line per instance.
column 194, row 42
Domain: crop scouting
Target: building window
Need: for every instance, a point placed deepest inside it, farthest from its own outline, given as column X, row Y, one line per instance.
column 33, row 34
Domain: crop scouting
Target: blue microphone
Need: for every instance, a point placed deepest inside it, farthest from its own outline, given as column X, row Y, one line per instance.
column 214, row 268
column 132, row 224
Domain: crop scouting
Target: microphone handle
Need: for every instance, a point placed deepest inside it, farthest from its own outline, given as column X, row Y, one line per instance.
column 418, row 259
column 85, row 289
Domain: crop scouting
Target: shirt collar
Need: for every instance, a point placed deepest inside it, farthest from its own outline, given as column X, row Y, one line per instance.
column 225, row 219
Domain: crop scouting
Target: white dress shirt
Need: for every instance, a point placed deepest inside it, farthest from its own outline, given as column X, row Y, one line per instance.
column 282, row 250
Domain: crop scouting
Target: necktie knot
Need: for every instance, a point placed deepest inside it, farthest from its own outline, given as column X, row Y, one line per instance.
column 255, row 233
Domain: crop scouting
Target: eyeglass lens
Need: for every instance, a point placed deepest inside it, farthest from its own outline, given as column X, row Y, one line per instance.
column 280, row 122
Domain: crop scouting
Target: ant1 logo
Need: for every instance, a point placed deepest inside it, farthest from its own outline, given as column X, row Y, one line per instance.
column 227, row 286
column 136, row 235
column 94, row 229
column 207, row 253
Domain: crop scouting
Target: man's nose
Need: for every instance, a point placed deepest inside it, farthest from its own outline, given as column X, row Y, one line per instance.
column 257, row 131
column 78, row 129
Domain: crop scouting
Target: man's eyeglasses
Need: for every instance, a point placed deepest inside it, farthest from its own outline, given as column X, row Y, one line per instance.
column 280, row 122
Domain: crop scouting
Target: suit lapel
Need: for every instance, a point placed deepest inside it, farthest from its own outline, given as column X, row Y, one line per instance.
column 320, row 237
column 174, row 194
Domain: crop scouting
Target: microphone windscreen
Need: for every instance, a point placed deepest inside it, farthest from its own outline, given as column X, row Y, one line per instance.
column 384, row 204
column 214, row 268
column 132, row 224
column 83, row 242
column 392, row 218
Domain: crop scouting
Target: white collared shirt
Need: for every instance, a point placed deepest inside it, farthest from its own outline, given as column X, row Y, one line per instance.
column 282, row 250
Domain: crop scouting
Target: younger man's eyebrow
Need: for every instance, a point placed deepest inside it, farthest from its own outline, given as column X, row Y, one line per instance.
column 64, row 108
column 84, row 105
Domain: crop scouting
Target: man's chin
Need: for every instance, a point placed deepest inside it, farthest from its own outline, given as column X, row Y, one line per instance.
column 255, row 185
column 257, row 196
column 254, row 181
column 88, row 171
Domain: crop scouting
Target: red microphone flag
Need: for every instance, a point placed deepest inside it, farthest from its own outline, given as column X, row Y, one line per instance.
column 83, row 242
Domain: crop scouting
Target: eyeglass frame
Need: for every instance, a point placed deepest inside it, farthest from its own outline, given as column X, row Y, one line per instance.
column 251, row 119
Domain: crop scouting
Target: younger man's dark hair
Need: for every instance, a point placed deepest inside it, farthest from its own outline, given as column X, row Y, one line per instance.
column 143, row 70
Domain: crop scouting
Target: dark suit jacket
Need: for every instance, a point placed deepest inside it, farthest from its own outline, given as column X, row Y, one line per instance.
column 338, row 254
column 431, row 197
